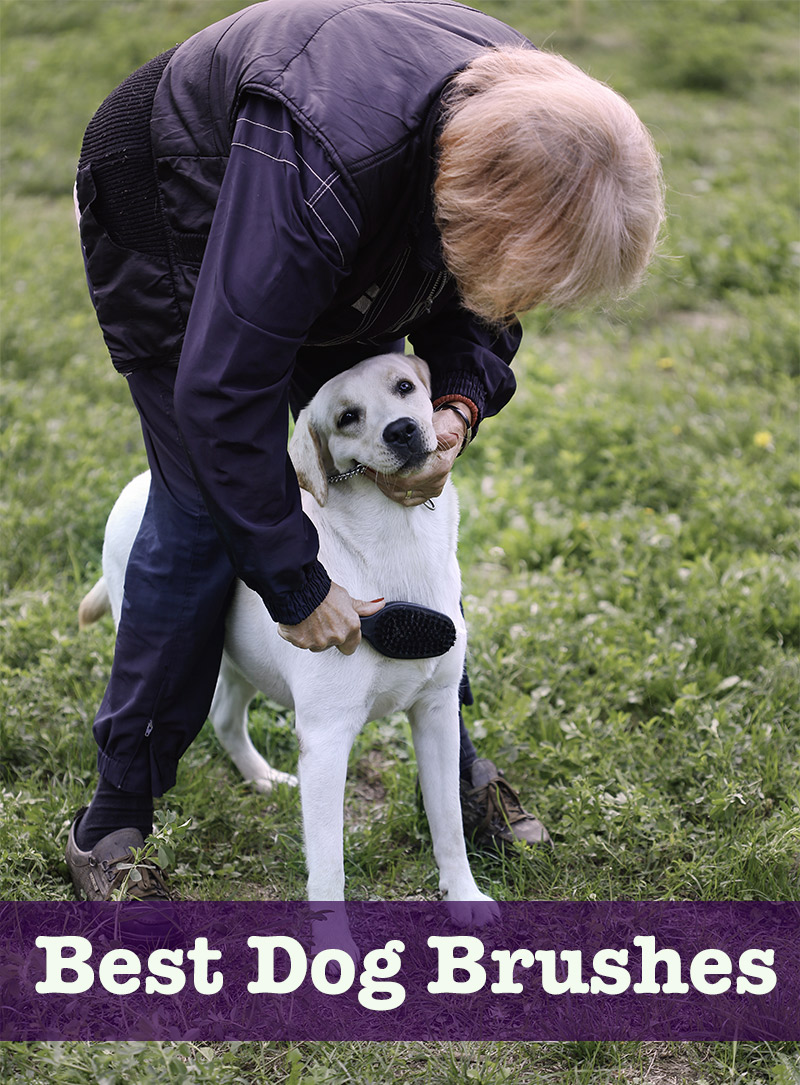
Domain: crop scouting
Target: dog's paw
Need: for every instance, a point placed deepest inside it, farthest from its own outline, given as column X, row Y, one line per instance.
column 479, row 912
column 266, row 780
column 329, row 934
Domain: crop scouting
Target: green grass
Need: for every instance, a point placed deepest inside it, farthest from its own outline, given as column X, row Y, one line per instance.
column 629, row 546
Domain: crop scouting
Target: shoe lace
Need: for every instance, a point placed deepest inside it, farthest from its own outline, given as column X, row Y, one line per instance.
column 150, row 886
column 501, row 801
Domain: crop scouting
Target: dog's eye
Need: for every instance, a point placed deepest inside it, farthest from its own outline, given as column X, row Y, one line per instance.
column 348, row 418
column 404, row 387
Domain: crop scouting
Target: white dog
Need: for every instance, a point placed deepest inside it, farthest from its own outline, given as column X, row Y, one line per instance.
column 375, row 548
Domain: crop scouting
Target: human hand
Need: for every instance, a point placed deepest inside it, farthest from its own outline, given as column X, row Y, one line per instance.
column 334, row 624
column 417, row 487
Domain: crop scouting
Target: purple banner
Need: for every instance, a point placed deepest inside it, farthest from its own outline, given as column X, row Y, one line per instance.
column 543, row 971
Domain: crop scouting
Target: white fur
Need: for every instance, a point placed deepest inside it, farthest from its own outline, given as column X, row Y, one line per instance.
column 374, row 547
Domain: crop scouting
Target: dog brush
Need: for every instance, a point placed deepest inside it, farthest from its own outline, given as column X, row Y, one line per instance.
column 409, row 631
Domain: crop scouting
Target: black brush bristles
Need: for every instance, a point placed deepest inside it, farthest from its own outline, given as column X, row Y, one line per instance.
column 409, row 631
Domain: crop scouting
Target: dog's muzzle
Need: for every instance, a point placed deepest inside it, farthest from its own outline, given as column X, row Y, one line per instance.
column 406, row 440
column 403, row 434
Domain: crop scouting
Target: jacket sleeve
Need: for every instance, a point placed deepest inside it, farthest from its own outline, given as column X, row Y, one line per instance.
column 467, row 358
column 283, row 234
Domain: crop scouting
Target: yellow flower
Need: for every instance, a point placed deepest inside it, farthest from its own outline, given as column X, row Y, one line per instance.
column 763, row 439
column 666, row 363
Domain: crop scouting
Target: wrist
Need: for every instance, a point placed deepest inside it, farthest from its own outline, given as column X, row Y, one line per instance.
column 458, row 409
column 468, row 406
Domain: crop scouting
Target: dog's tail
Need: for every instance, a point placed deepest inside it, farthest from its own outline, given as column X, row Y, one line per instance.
column 94, row 604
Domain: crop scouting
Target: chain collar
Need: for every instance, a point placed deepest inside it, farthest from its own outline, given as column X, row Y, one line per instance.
column 359, row 469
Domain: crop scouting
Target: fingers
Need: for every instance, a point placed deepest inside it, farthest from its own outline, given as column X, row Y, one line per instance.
column 410, row 498
column 417, row 487
column 365, row 609
column 449, row 438
column 349, row 645
column 422, row 486
column 405, row 492
column 334, row 624
column 361, row 609
column 398, row 490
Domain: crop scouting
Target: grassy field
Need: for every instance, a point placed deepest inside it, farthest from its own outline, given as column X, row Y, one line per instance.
column 629, row 546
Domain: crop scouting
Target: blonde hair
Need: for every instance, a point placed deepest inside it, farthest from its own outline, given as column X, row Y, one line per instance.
column 548, row 187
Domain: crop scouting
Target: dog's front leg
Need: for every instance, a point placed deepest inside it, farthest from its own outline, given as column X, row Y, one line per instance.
column 322, row 769
column 434, row 724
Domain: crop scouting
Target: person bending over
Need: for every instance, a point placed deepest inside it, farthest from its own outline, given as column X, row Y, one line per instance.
column 290, row 191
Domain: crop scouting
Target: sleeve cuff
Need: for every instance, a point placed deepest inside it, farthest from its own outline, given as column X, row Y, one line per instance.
column 461, row 387
column 470, row 406
column 291, row 608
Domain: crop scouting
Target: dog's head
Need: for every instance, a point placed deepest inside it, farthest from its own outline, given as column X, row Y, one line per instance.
column 378, row 414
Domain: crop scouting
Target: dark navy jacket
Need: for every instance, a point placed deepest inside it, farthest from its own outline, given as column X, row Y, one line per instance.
column 294, row 147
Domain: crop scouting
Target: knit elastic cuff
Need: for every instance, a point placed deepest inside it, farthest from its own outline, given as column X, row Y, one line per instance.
column 292, row 608
column 461, row 387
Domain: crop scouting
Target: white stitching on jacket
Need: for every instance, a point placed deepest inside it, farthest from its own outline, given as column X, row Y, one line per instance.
column 325, row 186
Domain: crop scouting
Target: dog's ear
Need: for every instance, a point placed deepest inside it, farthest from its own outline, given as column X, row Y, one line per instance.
column 421, row 368
column 305, row 452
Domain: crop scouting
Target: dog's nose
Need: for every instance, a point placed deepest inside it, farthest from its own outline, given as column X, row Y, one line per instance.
column 401, row 434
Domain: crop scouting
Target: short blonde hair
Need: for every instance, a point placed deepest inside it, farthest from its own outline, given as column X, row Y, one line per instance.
column 548, row 186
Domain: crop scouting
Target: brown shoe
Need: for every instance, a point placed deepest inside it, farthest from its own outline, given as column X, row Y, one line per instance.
column 99, row 873
column 491, row 808
column 145, row 914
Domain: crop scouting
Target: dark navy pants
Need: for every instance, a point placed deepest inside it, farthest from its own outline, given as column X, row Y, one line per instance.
column 177, row 587
column 178, row 584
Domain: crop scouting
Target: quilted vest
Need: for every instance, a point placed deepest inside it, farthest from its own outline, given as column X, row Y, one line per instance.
column 359, row 75
column 363, row 77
